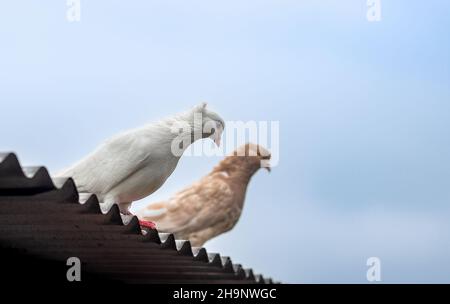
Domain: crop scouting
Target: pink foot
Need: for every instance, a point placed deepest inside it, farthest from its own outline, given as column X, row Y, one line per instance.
column 147, row 224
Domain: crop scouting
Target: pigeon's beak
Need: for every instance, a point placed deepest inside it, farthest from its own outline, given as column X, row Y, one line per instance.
column 217, row 140
column 265, row 163
column 217, row 136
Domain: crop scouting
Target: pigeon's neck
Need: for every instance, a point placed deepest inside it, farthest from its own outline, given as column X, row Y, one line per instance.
column 240, row 180
column 244, row 175
column 179, row 131
column 237, row 169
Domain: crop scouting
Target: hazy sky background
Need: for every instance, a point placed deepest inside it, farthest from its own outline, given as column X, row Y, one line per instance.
column 364, row 112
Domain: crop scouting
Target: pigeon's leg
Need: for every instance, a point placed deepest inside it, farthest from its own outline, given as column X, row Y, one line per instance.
column 125, row 209
column 147, row 225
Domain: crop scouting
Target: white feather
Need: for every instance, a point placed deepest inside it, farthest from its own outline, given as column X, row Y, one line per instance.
column 133, row 164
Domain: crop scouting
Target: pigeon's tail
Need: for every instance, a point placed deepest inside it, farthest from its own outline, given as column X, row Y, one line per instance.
column 69, row 172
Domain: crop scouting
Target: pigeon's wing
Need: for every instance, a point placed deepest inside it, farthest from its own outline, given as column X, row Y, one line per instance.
column 202, row 205
column 109, row 164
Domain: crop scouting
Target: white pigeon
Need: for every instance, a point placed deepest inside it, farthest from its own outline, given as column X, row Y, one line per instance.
column 214, row 204
column 134, row 164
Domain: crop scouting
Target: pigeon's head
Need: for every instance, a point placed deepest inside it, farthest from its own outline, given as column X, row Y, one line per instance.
column 253, row 156
column 212, row 124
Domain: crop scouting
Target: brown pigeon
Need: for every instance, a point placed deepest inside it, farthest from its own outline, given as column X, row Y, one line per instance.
column 212, row 205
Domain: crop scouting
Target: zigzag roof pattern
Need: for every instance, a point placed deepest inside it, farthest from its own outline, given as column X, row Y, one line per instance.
column 44, row 221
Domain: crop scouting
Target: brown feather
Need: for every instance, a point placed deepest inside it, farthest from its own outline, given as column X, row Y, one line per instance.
column 212, row 205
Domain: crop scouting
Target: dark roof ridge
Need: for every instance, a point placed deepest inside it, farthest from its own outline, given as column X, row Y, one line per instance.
column 34, row 184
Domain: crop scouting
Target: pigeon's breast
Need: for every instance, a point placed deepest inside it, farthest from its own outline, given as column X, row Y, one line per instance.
column 143, row 182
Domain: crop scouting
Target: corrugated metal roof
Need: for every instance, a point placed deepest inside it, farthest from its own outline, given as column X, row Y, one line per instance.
column 44, row 221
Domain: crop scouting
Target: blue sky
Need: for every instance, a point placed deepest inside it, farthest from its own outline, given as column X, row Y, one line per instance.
column 364, row 112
